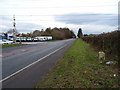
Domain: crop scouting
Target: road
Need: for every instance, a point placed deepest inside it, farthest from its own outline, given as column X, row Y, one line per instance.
column 20, row 59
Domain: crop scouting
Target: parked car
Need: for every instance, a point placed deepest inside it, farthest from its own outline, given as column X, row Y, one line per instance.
column 5, row 41
column 1, row 42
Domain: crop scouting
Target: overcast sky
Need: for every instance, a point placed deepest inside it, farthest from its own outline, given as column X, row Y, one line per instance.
column 93, row 16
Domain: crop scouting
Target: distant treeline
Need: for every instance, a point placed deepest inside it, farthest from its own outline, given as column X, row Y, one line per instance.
column 56, row 33
column 107, row 42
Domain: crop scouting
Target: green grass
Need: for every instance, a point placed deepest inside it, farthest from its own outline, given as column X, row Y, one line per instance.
column 80, row 68
column 9, row 45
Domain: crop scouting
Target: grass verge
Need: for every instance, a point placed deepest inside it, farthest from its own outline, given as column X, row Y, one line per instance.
column 9, row 45
column 80, row 68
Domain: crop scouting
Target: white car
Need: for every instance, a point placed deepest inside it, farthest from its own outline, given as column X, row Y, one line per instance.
column 1, row 42
column 5, row 41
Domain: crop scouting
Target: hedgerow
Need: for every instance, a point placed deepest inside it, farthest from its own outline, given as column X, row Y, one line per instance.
column 107, row 42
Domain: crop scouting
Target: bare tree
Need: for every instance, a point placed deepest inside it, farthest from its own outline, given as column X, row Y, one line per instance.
column 36, row 33
column 11, row 31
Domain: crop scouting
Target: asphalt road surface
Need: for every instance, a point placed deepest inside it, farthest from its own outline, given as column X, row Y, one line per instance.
column 17, row 58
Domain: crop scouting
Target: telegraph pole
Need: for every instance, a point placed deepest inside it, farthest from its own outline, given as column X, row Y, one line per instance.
column 14, row 29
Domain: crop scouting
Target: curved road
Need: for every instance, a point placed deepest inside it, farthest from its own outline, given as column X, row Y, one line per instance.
column 16, row 58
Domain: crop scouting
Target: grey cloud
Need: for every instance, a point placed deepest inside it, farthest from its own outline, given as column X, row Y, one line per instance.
column 96, row 19
column 5, row 18
column 27, row 27
column 20, row 26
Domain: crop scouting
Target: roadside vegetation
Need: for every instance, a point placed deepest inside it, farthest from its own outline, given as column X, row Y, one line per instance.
column 10, row 45
column 107, row 42
column 80, row 68
column 56, row 33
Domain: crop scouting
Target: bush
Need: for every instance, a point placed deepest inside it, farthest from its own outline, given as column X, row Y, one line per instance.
column 107, row 42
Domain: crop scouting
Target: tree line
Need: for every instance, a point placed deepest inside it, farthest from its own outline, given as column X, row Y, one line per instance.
column 56, row 33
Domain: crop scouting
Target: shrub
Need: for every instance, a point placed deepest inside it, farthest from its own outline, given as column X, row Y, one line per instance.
column 107, row 42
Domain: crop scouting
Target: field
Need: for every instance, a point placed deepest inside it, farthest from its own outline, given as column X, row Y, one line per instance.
column 80, row 68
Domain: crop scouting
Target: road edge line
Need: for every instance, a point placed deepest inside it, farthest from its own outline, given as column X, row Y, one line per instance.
column 31, row 64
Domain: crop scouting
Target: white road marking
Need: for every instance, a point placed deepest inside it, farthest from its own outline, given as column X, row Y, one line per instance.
column 31, row 64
